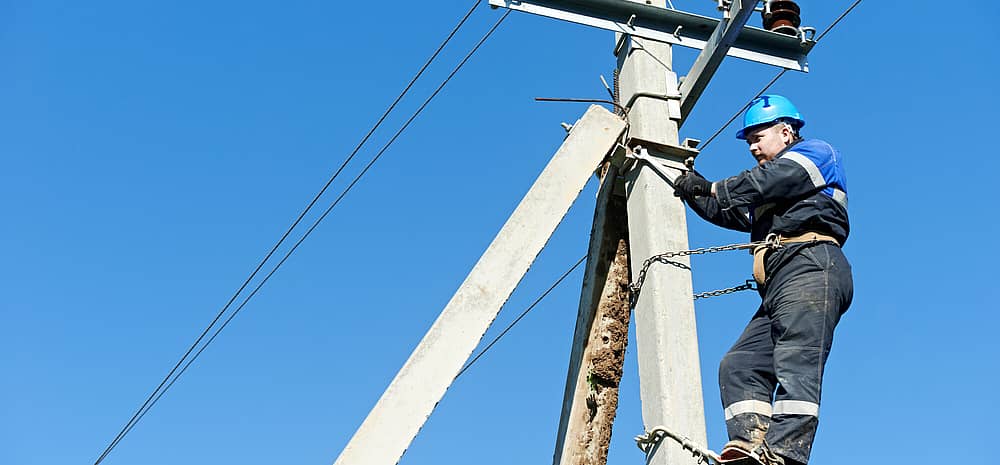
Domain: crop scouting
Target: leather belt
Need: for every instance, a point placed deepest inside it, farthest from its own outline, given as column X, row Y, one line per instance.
column 775, row 241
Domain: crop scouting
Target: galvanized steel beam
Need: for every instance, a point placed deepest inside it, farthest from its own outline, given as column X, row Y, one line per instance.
column 670, row 26
column 715, row 51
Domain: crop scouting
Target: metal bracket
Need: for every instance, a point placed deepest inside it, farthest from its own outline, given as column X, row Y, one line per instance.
column 665, row 97
column 661, row 24
column 660, row 158
column 667, row 153
column 620, row 43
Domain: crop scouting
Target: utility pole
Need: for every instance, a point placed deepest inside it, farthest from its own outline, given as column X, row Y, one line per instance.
column 666, row 336
column 636, row 217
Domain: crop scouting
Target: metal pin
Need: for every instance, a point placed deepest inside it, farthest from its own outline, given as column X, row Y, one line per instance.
column 606, row 86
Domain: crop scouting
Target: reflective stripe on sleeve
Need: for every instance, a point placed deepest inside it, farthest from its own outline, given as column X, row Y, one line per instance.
column 748, row 406
column 796, row 407
column 840, row 197
column 809, row 166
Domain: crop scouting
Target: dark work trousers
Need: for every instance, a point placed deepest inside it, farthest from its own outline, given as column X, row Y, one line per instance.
column 770, row 379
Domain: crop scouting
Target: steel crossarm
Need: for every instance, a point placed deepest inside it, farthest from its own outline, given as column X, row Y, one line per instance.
column 671, row 26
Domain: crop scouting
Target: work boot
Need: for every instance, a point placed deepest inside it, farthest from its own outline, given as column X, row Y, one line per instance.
column 740, row 452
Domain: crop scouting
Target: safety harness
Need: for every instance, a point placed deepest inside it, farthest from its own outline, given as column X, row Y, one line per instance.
column 775, row 241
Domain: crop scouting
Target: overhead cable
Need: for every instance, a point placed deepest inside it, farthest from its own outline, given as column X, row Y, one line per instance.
column 521, row 316
column 776, row 77
column 167, row 380
column 324, row 215
column 768, row 86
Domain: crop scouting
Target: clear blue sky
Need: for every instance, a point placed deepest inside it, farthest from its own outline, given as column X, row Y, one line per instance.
column 154, row 151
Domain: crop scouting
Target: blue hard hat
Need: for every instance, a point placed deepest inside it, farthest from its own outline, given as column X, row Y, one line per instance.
column 769, row 109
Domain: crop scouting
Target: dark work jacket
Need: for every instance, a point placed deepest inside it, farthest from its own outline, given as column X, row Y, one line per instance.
column 803, row 189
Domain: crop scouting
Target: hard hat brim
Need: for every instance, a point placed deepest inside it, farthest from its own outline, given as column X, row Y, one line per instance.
column 742, row 133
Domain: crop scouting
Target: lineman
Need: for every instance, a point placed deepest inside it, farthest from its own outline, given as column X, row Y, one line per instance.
column 796, row 198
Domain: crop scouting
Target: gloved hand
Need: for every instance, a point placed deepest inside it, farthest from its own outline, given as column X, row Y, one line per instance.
column 691, row 184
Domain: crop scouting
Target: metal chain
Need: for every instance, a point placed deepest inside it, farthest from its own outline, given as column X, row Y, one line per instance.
column 750, row 285
column 665, row 258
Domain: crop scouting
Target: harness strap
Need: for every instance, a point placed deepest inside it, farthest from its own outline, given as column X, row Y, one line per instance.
column 775, row 241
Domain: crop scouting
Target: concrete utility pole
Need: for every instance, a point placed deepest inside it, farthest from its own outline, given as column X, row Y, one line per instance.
column 634, row 220
column 666, row 336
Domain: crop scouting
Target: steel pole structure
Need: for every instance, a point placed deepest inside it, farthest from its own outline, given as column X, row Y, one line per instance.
column 666, row 336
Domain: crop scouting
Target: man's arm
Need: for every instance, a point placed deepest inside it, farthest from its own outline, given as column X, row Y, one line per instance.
column 698, row 192
column 708, row 208
column 797, row 173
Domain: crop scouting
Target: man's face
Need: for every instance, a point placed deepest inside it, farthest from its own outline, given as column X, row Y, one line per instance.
column 767, row 142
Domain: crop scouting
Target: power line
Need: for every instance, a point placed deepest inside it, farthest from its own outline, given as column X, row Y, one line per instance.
column 558, row 281
column 167, row 382
column 743, row 108
column 323, row 216
column 519, row 317
column 776, row 77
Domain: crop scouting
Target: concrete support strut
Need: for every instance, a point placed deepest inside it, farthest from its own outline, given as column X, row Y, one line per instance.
column 590, row 401
column 422, row 381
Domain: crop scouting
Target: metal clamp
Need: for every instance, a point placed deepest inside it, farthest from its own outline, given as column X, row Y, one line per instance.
column 648, row 443
column 807, row 35
column 621, row 42
column 664, row 97
column 640, row 153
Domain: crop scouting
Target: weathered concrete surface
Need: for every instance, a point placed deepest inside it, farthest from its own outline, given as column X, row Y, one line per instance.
column 591, row 397
column 421, row 383
column 666, row 336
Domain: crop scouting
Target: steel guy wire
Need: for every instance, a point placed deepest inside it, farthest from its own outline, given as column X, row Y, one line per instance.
column 522, row 315
column 167, row 381
column 776, row 77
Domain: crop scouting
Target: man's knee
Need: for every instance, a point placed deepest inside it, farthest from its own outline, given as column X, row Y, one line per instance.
column 748, row 372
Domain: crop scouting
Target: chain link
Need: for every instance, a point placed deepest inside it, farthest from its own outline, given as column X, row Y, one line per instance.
column 666, row 257
column 750, row 285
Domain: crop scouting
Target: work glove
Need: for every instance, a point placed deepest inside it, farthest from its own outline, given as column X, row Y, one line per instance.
column 691, row 184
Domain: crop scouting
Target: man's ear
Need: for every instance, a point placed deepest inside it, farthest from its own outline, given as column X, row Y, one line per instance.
column 786, row 131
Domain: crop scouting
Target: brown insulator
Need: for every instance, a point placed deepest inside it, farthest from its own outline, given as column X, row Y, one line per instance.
column 782, row 16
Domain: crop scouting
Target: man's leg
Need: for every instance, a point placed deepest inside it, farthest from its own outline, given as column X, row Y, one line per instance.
column 815, row 290
column 747, row 380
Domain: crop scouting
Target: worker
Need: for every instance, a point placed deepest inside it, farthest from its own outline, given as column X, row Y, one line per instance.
column 795, row 200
